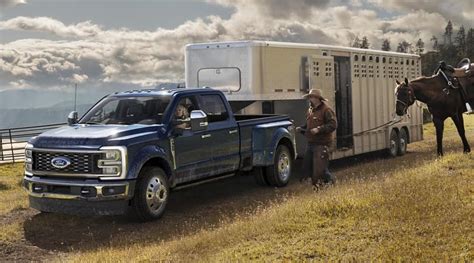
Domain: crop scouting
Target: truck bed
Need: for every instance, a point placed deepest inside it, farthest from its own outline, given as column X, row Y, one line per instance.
column 245, row 120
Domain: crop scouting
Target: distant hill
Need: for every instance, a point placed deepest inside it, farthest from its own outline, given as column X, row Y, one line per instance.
column 13, row 118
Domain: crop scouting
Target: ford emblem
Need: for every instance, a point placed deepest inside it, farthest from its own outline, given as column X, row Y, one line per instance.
column 60, row 162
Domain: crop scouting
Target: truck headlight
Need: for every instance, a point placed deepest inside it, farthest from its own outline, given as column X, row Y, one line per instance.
column 113, row 162
column 28, row 158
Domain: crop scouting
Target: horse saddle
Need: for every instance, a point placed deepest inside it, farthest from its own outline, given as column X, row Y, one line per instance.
column 460, row 78
column 462, row 70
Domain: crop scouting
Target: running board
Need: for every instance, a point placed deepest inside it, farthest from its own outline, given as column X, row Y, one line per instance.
column 186, row 185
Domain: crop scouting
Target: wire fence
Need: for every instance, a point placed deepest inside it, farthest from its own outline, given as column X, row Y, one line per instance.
column 13, row 141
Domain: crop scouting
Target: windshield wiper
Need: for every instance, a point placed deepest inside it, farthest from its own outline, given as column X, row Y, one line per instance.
column 92, row 122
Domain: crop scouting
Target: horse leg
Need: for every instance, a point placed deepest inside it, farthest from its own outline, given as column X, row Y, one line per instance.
column 439, row 125
column 459, row 122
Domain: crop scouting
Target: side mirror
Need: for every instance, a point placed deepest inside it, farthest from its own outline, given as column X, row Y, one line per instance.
column 198, row 120
column 72, row 118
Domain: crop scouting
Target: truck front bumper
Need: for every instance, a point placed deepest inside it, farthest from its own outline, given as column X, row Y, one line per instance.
column 79, row 197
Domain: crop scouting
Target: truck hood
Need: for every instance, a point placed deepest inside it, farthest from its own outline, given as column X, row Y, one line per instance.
column 93, row 136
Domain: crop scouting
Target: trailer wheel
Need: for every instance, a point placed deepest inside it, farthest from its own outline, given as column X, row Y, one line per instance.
column 393, row 144
column 403, row 141
column 279, row 173
column 151, row 194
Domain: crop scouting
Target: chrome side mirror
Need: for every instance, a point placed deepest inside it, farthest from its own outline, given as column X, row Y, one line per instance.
column 72, row 118
column 198, row 120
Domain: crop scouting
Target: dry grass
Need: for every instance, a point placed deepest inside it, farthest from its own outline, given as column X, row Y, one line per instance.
column 11, row 195
column 424, row 213
column 417, row 207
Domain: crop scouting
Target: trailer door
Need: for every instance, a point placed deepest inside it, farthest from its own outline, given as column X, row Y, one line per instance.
column 321, row 76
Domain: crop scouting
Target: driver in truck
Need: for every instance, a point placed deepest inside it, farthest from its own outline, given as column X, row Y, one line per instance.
column 182, row 114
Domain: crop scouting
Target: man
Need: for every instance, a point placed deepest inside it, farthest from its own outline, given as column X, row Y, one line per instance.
column 319, row 129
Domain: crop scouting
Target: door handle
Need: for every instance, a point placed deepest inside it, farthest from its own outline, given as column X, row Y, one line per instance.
column 233, row 131
column 205, row 136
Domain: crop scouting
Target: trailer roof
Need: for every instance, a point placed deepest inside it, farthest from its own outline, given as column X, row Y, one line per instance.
column 258, row 43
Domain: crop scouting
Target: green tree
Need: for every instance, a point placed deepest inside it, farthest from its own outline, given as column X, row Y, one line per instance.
column 434, row 39
column 356, row 43
column 365, row 43
column 386, row 45
column 460, row 41
column 448, row 34
column 404, row 47
column 470, row 44
column 420, row 46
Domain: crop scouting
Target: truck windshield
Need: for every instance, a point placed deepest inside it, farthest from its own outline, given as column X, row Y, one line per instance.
column 127, row 110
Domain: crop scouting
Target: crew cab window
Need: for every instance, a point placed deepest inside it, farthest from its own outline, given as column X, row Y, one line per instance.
column 214, row 107
column 183, row 110
column 127, row 110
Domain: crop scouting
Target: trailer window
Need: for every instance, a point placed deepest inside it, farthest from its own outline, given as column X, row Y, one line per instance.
column 224, row 79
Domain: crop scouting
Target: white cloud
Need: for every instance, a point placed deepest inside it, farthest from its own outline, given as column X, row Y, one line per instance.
column 9, row 3
column 89, row 53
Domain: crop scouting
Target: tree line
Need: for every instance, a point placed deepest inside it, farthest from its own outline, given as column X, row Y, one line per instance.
column 450, row 47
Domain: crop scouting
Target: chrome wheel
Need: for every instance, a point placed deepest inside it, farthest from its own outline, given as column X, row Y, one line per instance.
column 284, row 166
column 156, row 194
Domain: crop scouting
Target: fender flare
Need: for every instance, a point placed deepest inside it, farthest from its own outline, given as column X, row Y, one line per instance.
column 265, row 156
column 146, row 154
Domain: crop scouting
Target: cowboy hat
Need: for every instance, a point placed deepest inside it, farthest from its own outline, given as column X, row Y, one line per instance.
column 315, row 93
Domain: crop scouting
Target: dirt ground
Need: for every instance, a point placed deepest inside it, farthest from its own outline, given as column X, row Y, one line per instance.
column 207, row 206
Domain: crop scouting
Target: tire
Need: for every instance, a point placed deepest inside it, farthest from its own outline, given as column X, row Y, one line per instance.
column 259, row 175
column 279, row 173
column 402, row 142
column 151, row 194
column 392, row 150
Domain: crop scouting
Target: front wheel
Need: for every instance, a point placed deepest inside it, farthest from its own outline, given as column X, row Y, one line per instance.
column 279, row 173
column 151, row 194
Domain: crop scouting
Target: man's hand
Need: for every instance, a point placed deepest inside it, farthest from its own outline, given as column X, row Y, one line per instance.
column 315, row 130
column 298, row 129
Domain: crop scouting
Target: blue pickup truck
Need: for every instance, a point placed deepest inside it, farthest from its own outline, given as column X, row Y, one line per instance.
column 129, row 151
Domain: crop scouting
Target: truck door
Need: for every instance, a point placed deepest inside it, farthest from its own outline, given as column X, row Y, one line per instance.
column 223, row 134
column 192, row 150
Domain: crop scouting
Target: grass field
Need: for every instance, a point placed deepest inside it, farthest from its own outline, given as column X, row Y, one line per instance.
column 415, row 207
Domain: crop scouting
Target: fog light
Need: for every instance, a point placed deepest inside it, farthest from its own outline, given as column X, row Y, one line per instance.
column 88, row 191
column 38, row 188
column 113, row 190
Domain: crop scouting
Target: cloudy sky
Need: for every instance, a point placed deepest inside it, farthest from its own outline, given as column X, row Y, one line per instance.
column 51, row 44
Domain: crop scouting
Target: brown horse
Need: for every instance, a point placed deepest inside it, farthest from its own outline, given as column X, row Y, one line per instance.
column 442, row 102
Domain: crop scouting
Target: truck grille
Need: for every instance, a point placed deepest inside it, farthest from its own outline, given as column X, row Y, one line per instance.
column 81, row 163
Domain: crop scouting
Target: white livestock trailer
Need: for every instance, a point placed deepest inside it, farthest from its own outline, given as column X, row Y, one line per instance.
column 261, row 77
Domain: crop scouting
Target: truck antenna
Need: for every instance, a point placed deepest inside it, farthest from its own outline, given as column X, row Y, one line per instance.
column 75, row 96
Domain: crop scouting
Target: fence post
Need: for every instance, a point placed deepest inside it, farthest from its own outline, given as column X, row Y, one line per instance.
column 1, row 147
column 11, row 144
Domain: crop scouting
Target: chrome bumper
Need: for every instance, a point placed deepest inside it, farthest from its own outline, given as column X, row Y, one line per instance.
column 90, row 190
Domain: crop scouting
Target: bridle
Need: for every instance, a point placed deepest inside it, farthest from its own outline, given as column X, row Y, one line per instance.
column 412, row 97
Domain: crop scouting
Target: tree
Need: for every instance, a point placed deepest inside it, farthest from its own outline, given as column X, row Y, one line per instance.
column 365, row 43
column 435, row 43
column 460, row 42
column 386, row 45
column 404, row 47
column 420, row 46
column 470, row 43
column 356, row 43
column 448, row 33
